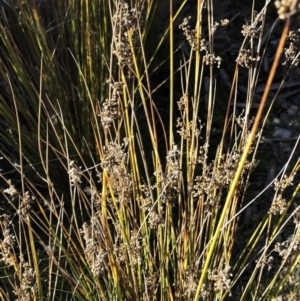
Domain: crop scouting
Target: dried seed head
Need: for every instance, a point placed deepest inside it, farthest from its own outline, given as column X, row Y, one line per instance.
column 245, row 58
column 250, row 31
column 8, row 241
column 190, row 281
column 279, row 205
column 290, row 247
column 94, row 253
column 155, row 219
column 11, row 190
column 74, row 173
column 211, row 59
column 222, row 23
column 151, row 284
column 190, row 34
column 25, row 206
column 221, row 278
column 110, row 109
column 126, row 35
column 215, row 177
column 292, row 61
column 131, row 251
column 286, row 7
column 115, row 162
column 265, row 261
column 27, row 288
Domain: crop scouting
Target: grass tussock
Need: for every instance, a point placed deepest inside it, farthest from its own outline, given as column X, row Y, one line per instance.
column 113, row 186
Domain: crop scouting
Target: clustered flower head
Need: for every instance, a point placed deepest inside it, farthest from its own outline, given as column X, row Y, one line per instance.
column 221, row 278
column 8, row 241
column 251, row 30
column 286, row 7
column 190, row 35
column 131, row 249
column 25, row 206
column 289, row 247
column 169, row 181
column 246, row 58
column 126, row 33
column 12, row 191
column 184, row 130
column 154, row 218
column 223, row 23
column 288, row 250
column 190, row 281
column 110, row 108
column 279, row 203
column 74, row 174
column 198, row 44
column 94, row 252
column 173, row 168
column 27, row 287
column 211, row 59
column 154, row 213
column 115, row 163
column 216, row 177
column 151, row 280
column 265, row 261
column 291, row 63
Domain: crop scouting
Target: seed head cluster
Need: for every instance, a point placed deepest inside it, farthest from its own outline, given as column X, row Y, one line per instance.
column 25, row 291
column 265, row 261
column 191, row 275
column 74, row 173
column 215, row 177
column 222, row 23
column 7, row 243
column 279, row 204
column 110, row 108
column 126, row 36
column 154, row 213
column 169, row 182
column 289, row 247
column 292, row 60
column 190, row 35
column 251, row 31
column 115, row 163
column 198, row 44
column 12, row 191
column 151, row 283
column 186, row 131
column 25, row 205
column 286, row 7
column 26, row 285
column 247, row 57
column 131, row 249
column 94, row 252
column 173, row 169
column 220, row 278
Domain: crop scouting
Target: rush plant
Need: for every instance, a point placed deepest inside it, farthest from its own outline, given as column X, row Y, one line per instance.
column 112, row 185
